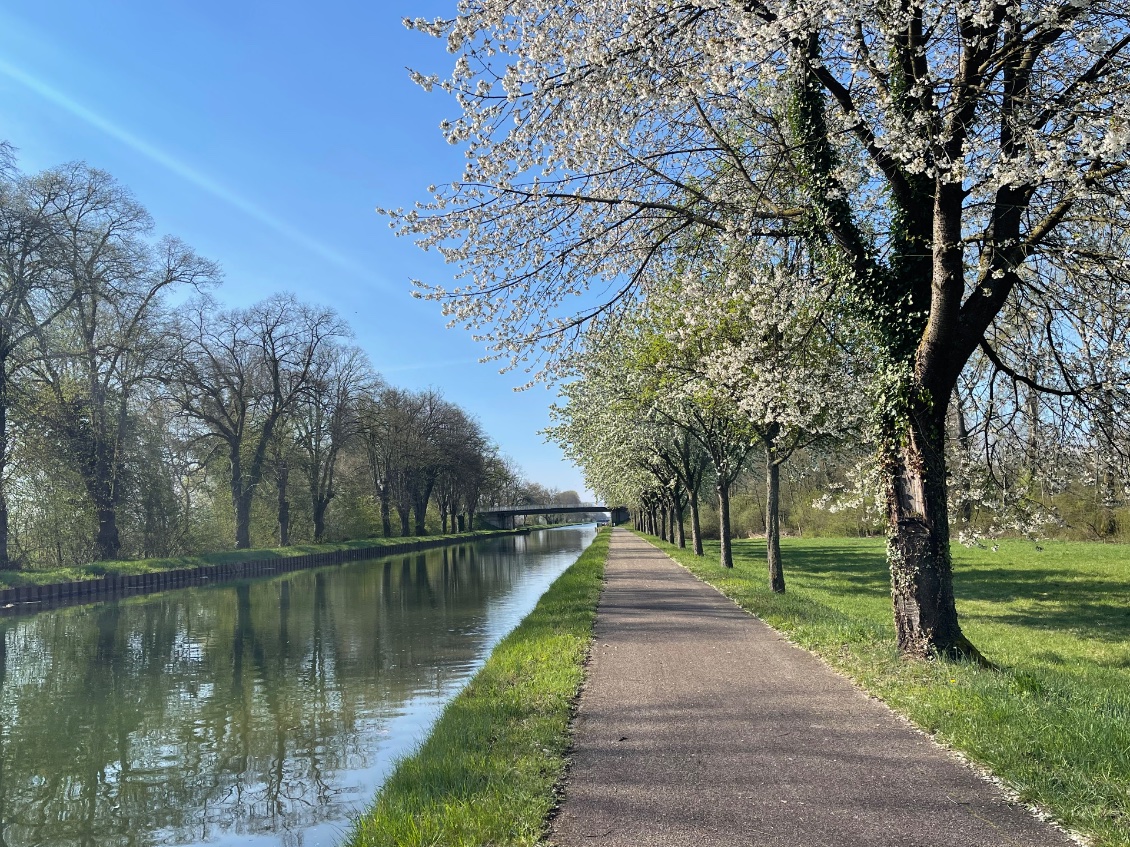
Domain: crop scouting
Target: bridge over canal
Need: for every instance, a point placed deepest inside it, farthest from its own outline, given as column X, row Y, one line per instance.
column 503, row 516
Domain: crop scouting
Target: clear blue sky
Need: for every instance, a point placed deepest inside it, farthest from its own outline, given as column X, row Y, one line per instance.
column 264, row 134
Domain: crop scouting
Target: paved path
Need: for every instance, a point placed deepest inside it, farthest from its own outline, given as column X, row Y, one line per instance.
column 699, row 725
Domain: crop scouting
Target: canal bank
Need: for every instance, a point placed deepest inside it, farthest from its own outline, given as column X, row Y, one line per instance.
column 116, row 580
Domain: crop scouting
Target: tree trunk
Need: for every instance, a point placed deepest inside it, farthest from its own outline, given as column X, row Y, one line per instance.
column 773, row 521
column 6, row 564
column 918, row 549
column 242, row 504
column 320, row 506
column 240, row 499
column 696, row 525
column 282, row 480
column 99, row 478
column 405, row 529
column 386, row 514
column 662, row 523
column 107, row 543
column 681, row 535
column 727, row 554
column 420, row 508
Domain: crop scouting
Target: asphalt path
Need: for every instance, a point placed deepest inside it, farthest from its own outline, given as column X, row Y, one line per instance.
column 699, row 725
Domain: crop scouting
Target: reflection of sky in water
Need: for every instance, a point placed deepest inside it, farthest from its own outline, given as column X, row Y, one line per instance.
column 261, row 713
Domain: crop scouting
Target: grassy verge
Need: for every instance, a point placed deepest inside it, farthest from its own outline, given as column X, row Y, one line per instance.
column 1053, row 723
column 125, row 567
column 488, row 772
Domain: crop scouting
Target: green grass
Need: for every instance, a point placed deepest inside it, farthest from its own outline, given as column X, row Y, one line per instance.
column 125, row 567
column 489, row 771
column 1053, row 722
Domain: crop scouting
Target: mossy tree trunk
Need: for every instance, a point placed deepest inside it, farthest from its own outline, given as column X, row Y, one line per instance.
column 918, row 546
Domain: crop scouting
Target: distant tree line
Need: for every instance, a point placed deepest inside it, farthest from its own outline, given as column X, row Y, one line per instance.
column 139, row 417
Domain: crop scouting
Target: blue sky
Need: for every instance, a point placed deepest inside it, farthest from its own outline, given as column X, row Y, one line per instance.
column 264, row 134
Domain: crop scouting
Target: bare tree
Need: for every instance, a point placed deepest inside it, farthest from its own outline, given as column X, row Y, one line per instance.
column 240, row 372
column 386, row 430
column 327, row 417
column 105, row 343
column 437, row 429
column 29, row 298
column 466, row 450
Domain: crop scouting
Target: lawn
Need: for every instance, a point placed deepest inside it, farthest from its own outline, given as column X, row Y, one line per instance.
column 489, row 772
column 1053, row 722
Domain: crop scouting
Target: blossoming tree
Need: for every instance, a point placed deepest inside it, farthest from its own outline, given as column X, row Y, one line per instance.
column 936, row 151
column 626, row 439
column 762, row 339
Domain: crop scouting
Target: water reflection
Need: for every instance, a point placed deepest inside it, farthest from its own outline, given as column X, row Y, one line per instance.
column 264, row 712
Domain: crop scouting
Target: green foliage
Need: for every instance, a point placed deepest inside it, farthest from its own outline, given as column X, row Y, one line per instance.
column 1052, row 722
column 1086, row 517
column 488, row 772
column 892, row 396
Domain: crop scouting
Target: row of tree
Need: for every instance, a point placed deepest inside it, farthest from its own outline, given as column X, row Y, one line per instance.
column 939, row 186
column 140, row 417
column 662, row 416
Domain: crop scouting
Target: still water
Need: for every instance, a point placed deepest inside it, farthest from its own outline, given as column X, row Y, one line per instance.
column 263, row 712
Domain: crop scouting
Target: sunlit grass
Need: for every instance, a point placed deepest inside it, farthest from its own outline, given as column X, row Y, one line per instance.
column 125, row 567
column 488, row 773
column 1053, row 722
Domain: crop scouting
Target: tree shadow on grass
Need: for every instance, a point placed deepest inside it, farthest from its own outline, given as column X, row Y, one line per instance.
column 792, row 610
column 1089, row 606
column 1041, row 598
column 857, row 568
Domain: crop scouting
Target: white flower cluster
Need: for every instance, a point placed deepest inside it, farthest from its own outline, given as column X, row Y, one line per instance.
column 602, row 139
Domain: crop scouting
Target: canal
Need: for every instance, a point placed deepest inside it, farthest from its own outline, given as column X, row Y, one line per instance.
column 262, row 712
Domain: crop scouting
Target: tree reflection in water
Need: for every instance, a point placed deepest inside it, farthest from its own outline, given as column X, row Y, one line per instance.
column 261, row 708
